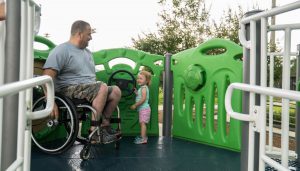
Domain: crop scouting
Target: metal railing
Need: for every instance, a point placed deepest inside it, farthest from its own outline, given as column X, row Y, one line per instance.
column 13, row 88
column 29, row 25
column 257, row 114
column 272, row 55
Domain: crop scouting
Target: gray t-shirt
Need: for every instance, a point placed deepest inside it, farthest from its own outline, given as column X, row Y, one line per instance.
column 73, row 65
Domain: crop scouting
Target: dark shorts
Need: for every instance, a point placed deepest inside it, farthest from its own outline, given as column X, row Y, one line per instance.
column 84, row 91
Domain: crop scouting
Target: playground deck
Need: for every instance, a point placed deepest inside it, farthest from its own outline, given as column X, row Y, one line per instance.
column 159, row 154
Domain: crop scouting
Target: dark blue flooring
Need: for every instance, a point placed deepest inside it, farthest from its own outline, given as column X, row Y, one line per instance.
column 159, row 154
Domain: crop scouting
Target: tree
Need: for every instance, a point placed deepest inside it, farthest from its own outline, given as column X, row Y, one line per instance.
column 273, row 47
column 228, row 26
column 184, row 24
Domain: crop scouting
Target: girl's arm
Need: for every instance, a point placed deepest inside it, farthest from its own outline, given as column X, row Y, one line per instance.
column 143, row 99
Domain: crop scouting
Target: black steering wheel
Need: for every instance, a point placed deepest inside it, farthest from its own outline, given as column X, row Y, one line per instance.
column 127, row 86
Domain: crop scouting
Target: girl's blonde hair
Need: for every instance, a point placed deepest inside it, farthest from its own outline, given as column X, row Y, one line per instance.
column 147, row 76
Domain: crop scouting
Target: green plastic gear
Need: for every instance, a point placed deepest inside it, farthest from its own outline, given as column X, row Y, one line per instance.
column 194, row 77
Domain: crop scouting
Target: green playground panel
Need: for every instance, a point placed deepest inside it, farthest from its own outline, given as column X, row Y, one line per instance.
column 110, row 60
column 201, row 77
column 43, row 54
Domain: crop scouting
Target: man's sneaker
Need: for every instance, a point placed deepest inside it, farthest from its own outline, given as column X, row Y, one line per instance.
column 141, row 141
column 108, row 138
column 95, row 138
column 111, row 131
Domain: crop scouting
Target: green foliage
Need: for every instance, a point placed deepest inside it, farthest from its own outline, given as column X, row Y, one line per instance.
column 228, row 26
column 277, row 115
column 150, row 43
column 161, row 96
column 277, row 65
column 184, row 24
column 293, row 66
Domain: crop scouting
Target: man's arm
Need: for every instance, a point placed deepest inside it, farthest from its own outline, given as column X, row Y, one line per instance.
column 2, row 11
column 52, row 73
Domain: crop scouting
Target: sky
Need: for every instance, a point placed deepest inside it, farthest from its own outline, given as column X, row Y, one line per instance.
column 118, row 21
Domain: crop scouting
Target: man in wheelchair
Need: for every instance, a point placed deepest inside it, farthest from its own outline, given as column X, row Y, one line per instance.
column 72, row 68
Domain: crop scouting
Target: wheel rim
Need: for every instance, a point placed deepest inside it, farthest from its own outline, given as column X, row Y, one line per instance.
column 38, row 136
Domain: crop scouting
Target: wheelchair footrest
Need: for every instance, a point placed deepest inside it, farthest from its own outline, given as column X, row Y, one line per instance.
column 82, row 140
column 115, row 120
column 95, row 123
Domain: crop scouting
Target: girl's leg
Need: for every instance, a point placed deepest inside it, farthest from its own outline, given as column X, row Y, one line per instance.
column 143, row 130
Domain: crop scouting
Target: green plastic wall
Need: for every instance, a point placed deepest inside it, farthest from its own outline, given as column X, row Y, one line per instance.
column 200, row 83
column 132, row 61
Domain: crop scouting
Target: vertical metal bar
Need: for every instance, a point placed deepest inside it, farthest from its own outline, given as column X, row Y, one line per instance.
column 245, row 125
column 263, row 98
column 29, row 74
column 2, row 62
column 168, row 91
column 285, row 102
column 27, row 151
column 297, row 106
column 23, row 59
column 246, row 99
column 257, row 82
column 252, row 95
column 271, row 104
column 12, row 51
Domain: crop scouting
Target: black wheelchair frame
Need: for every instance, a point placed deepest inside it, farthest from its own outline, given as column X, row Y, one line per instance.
column 57, row 136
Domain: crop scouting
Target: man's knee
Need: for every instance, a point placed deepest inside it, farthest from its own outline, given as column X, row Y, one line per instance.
column 103, row 89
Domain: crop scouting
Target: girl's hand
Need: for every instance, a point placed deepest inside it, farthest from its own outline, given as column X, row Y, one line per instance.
column 133, row 107
column 135, row 91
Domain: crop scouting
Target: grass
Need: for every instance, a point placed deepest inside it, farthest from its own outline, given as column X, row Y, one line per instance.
column 160, row 96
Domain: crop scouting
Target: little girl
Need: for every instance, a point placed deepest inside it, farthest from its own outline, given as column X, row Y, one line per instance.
column 141, row 104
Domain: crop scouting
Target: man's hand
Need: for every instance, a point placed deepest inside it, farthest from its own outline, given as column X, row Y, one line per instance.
column 52, row 73
column 54, row 114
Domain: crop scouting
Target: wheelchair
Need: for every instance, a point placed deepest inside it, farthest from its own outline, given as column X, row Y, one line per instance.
column 57, row 136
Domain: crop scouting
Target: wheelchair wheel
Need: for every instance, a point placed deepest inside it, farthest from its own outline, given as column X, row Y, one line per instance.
column 85, row 152
column 55, row 137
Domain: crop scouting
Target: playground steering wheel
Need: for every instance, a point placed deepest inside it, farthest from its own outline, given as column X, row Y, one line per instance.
column 124, row 84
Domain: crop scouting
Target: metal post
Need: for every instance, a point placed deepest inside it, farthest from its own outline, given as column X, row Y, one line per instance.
column 246, row 79
column 10, row 103
column 2, row 60
column 168, row 92
column 297, row 131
